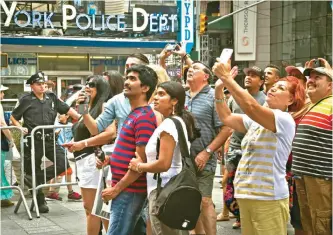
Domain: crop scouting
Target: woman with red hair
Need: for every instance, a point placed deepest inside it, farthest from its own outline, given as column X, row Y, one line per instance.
column 260, row 185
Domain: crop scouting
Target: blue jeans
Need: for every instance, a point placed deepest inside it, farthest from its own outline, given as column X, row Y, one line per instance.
column 125, row 212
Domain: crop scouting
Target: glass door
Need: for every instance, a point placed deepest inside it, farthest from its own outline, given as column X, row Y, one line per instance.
column 65, row 86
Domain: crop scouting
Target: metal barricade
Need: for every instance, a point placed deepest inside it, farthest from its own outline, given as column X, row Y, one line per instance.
column 20, row 188
column 35, row 187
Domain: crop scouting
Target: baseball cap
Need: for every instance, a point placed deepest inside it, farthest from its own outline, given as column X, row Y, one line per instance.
column 291, row 68
column 37, row 77
column 3, row 88
column 258, row 71
column 321, row 70
column 300, row 69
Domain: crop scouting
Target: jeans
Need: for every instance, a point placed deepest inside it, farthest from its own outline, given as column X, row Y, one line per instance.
column 125, row 212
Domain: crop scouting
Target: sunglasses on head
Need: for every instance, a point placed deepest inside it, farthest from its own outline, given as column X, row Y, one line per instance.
column 91, row 84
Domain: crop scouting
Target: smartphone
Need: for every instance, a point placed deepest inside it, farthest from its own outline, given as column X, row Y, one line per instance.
column 226, row 55
column 170, row 47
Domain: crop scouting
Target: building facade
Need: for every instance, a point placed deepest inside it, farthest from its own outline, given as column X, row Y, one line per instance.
column 96, row 36
column 287, row 32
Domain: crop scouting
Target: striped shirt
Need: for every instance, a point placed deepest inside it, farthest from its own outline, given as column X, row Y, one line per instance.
column 312, row 146
column 203, row 109
column 136, row 131
column 262, row 169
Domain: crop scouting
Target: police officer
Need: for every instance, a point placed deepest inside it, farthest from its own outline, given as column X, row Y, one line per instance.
column 40, row 108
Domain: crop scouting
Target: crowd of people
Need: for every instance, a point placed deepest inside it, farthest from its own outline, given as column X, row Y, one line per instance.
column 276, row 131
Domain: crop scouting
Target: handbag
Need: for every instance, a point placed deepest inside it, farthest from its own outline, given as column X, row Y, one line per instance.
column 178, row 202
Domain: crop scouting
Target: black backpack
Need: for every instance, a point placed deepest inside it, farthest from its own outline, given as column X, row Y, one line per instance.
column 178, row 202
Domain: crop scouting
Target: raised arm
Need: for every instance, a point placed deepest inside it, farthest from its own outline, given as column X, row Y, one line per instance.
column 90, row 123
column 260, row 114
column 234, row 121
column 73, row 114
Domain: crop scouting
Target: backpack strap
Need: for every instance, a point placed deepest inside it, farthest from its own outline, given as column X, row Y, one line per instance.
column 157, row 176
column 184, row 147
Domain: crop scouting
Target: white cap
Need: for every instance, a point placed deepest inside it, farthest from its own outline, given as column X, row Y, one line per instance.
column 291, row 68
column 3, row 88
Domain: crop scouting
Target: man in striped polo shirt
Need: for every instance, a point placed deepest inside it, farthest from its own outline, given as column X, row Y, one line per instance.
column 129, row 188
column 200, row 102
column 312, row 154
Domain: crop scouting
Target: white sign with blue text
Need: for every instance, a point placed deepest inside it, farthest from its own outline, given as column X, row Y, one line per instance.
column 187, row 23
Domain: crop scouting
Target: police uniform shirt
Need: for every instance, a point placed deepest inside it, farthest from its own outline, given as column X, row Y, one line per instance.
column 36, row 112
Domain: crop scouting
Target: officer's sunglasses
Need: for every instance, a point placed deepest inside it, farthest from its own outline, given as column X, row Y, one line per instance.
column 91, row 84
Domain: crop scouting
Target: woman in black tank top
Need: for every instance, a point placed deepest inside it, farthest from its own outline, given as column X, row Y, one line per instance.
column 98, row 90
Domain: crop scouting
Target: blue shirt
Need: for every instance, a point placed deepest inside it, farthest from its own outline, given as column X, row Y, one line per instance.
column 65, row 135
column 117, row 108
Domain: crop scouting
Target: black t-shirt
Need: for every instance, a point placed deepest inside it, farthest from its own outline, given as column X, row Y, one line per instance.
column 36, row 112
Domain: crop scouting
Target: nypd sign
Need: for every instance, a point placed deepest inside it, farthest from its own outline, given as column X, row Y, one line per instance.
column 185, row 9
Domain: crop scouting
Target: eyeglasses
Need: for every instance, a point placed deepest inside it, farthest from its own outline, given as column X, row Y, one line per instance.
column 91, row 84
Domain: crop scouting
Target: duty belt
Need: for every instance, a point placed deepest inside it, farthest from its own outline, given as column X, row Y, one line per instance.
column 46, row 137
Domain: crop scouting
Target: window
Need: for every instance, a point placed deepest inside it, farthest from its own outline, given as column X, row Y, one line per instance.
column 318, row 27
column 63, row 62
column 288, row 32
column 302, row 29
column 276, row 34
column 328, row 45
column 318, row 46
column 303, row 10
column 318, row 8
column 276, row 16
column 302, row 48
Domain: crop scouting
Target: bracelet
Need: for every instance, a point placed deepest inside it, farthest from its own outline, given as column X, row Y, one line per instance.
column 137, row 168
column 219, row 100
column 86, row 143
column 185, row 56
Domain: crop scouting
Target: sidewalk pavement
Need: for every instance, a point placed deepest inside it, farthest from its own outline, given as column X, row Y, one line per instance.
column 68, row 217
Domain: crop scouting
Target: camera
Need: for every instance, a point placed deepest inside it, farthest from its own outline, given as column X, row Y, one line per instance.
column 317, row 63
column 99, row 153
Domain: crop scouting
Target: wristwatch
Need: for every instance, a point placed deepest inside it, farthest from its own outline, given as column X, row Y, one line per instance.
column 208, row 150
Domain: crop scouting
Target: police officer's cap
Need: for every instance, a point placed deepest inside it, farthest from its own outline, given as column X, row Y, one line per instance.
column 38, row 77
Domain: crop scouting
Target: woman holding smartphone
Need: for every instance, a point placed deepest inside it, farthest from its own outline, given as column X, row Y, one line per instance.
column 96, row 91
column 260, row 185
